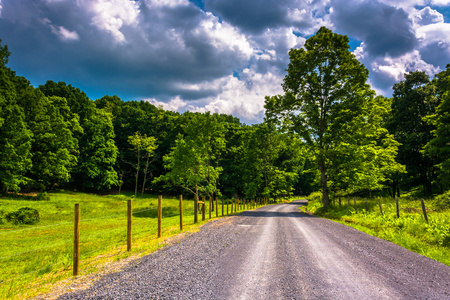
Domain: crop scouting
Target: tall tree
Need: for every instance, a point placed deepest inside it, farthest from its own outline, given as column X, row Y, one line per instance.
column 438, row 147
column 364, row 160
column 325, row 93
column 53, row 126
column 142, row 143
column 272, row 161
column 193, row 162
column 413, row 100
column 98, row 152
column 15, row 138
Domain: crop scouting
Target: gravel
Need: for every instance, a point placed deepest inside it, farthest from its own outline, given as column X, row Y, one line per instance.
column 276, row 252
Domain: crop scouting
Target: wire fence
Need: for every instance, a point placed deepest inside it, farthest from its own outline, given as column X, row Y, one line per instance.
column 54, row 250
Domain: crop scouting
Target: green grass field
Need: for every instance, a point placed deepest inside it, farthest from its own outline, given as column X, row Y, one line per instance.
column 32, row 257
column 410, row 230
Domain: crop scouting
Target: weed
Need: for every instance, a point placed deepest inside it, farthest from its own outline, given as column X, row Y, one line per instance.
column 410, row 230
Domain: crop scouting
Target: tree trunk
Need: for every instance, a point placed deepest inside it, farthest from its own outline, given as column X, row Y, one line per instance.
column 137, row 172
column 145, row 174
column 394, row 188
column 324, row 183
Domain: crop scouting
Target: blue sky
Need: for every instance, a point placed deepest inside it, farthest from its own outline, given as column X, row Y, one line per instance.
column 213, row 55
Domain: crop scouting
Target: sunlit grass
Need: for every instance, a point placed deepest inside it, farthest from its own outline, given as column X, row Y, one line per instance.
column 410, row 230
column 33, row 257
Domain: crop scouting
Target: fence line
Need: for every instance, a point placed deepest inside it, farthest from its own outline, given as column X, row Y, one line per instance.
column 78, row 253
column 70, row 223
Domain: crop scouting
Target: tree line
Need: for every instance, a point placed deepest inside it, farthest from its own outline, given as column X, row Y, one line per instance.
column 328, row 131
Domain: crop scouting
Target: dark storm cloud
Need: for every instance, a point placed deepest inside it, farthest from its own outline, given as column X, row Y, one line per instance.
column 250, row 15
column 161, row 51
column 436, row 53
column 385, row 30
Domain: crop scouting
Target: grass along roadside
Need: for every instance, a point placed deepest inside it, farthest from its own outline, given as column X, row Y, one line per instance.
column 34, row 257
column 409, row 231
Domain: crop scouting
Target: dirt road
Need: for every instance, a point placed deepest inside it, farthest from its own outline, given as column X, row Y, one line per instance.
column 277, row 252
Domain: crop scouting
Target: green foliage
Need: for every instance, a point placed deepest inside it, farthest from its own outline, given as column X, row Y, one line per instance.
column 193, row 162
column 24, row 215
column 97, row 149
column 15, row 138
column 270, row 162
column 443, row 201
column 142, row 143
column 410, row 230
column 42, row 196
column 2, row 217
column 328, row 103
column 439, row 147
column 53, row 144
column 413, row 100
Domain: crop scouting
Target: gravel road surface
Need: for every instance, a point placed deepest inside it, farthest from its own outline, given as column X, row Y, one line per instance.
column 277, row 252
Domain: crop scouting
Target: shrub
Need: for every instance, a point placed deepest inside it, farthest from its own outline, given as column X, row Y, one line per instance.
column 443, row 201
column 24, row 215
column 2, row 217
column 43, row 196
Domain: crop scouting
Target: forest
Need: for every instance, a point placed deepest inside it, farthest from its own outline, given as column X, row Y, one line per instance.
column 329, row 131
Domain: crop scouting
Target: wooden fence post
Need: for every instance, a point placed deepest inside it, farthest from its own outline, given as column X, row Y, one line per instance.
column 354, row 202
column 339, row 201
column 210, row 206
column 181, row 212
column 424, row 210
column 129, row 223
column 203, row 208
column 379, row 204
column 159, row 215
column 398, row 207
column 217, row 206
column 76, row 240
column 195, row 209
column 228, row 201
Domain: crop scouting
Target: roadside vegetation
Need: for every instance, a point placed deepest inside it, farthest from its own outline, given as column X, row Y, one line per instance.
column 410, row 230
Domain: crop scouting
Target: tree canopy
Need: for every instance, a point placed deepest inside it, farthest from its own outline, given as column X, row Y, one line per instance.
column 328, row 103
column 328, row 131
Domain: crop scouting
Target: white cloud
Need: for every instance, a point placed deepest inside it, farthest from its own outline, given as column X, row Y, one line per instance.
column 243, row 98
column 62, row 33
column 112, row 15
column 223, row 36
column 166, row 3
column 439, row 32
column 427, row 16
column 395, row 68
column 67, row 35
column 440, row 2
column 359, row 52
column 172, row 50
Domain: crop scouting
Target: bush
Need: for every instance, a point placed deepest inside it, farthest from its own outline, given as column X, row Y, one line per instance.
column 443, row 201
column 43, row 196
column 2, row 217
column 24, row 215
column 314, row 196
